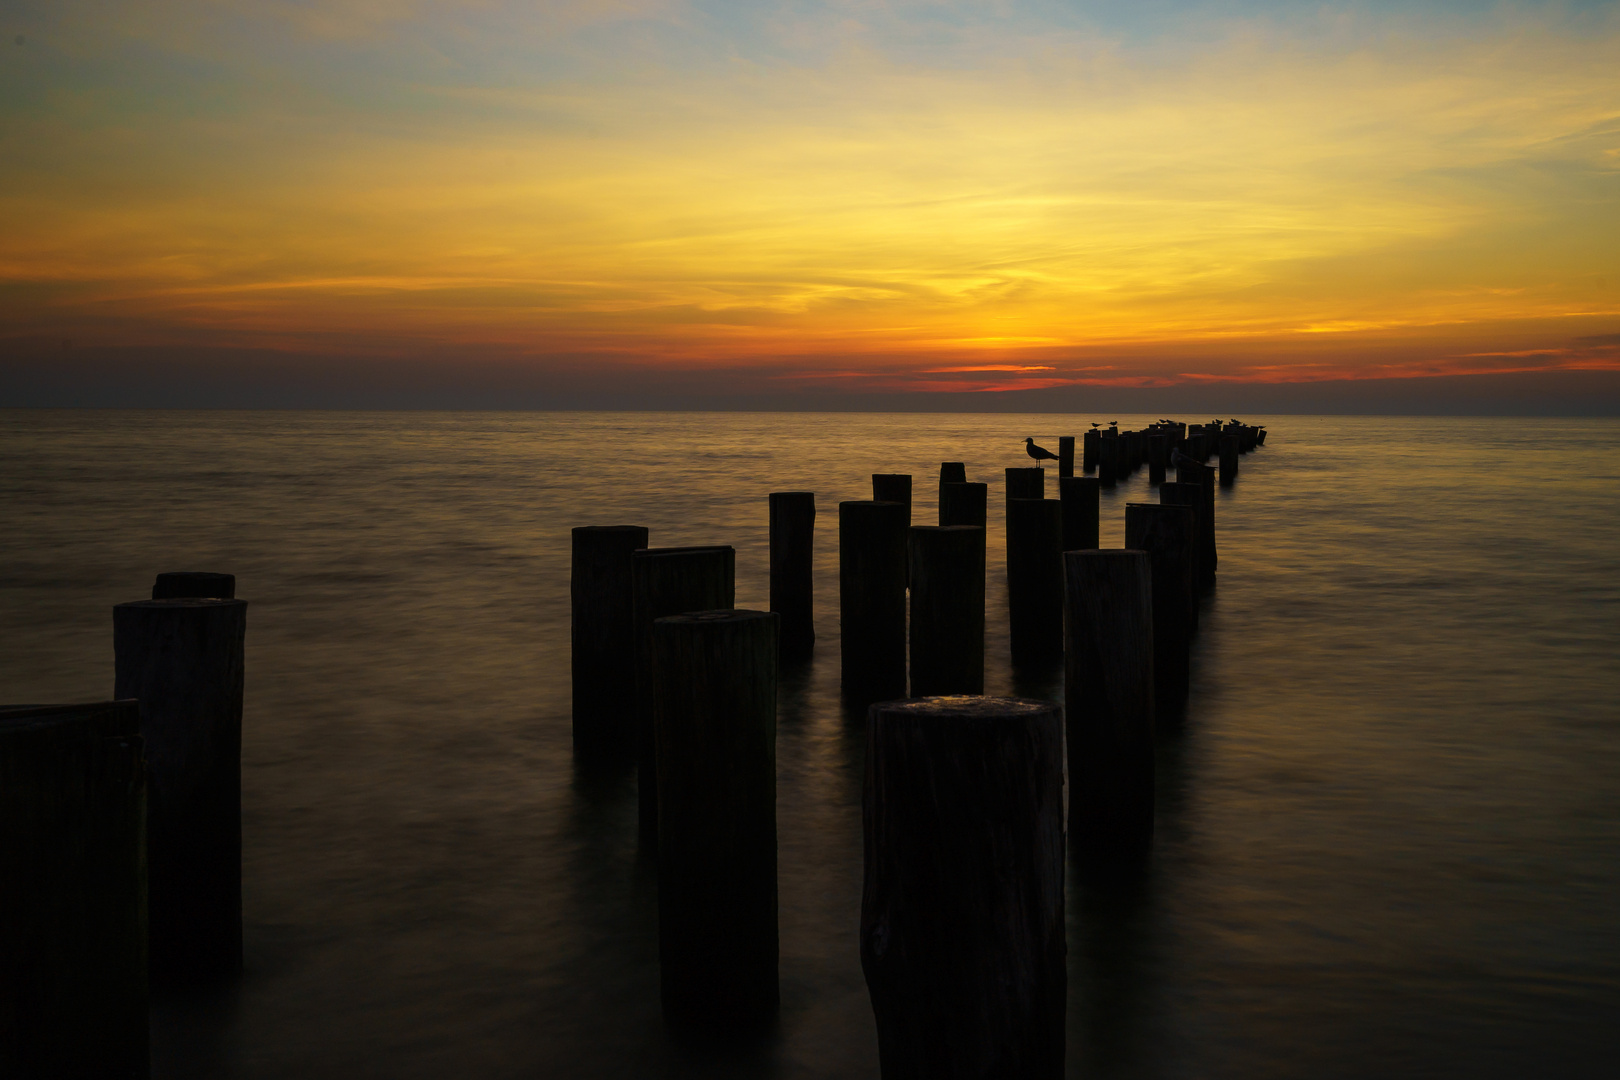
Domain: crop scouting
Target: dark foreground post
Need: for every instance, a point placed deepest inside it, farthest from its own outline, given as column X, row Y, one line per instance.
column 793, row 532
column 1027, row 483
column 872, row 599
column 1088, row 450
column 1169, row 534
column 962, row 937
column 1204, row 475
column 964, row 504
column 947, row 610
column 604, row 644
column 1035, row 577
column 1190, row 496
column 1065, row 456
column 1108, row 460
column 716, row 731
column 952, row 472
column 669, row 581
column 73, row 928
column 184, row 584
column 1229, row 459
column 1108, row 687
column 893, row 487
column 1080, row 496
column 182, row 660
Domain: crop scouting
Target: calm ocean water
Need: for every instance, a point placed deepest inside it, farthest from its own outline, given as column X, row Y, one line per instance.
column 1389, row 835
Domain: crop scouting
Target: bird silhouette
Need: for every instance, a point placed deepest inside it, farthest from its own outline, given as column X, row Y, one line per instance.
column 1037, row 452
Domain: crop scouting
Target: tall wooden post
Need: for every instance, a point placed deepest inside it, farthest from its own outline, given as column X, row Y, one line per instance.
column 1080, row 496
column 893, row 487
column 715, row 716
column 962, row 933
column 668, row 581
column 964, row 504
column 1190, row 496
column 1088, row 450
column 1065, row 456
column 947, row 610
column 1108, row 460
column 183, row 661
column 793, row 588
column 1108, row 689
column 952, row 472
column 872, row 599
column 1204, row 476
column 1035, row 577
column 1229, row 459
column 1026, row 483
column 184, row 584
column 1158, row 456
column 1169, row 534
column 73, row 929
column 604, row 645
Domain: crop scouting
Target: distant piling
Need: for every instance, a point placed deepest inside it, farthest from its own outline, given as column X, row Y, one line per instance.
column 73, row 892
column 1108, row 460
column 947, row 610
column 186, row 584
column 793, row 588
column 1080, row 496
column 183, row 661
column 1204, row 477
column 1108, row 687
column 1190, row 496
column 665, row 582
column 603, row 637
column 715, row 717
column 893, row 487
column 1035, row 577
column 962, row 922
column 1229, row 460
column 1169, row 535
column 1158, row 454
column 1065, row 456
column 1088, row 450
column 872, row 599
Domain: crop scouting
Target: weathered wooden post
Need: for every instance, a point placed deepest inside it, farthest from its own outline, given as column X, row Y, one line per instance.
column 964, row 504
column 1229, row 460
column 1035, row 577
column 183, row 584
column 715, row 717
column 1026, row 483
column 952, row 472
column 604, row 645
column 1108, row 470
column 962, row 933
column 1080, row 496
column 182, row 660
column 1158, row 454
column 793, row 589
column 668, row 581
column 1169, row 534
column 1088, row 450
column 947, row 610
column 73, row 931
column 893, row 487
column 872, row 599
column 1108, row 688
column 1190, row 496
column 1203, row 475
column 1065, row 456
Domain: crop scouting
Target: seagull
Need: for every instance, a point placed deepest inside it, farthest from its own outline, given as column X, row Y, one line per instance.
column 1037, row 452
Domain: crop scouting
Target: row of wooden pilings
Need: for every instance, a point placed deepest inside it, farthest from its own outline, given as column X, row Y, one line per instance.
column 121, row 837
column 962, row 922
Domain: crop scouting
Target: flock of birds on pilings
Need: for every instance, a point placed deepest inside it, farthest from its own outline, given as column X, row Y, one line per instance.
column 121, row 851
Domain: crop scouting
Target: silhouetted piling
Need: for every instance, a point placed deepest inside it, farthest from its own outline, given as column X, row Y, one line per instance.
column 1204, row 477
column 664, row 582
column 715, row 719
column 1229, row 459
column 893, row 487
column 947, row 610
column 186, row 584
column 1035, row 577
column 964, row 504
column 1158, row 451
column 1108, row 686
column 183, row 661
column 793, row 532
column 962, row 925
column 952, row 472
column 872, row 599
column 604, row 652
column 1108, row 461
column 1065, row 456
column 1080, row 496
column 1169, row 534
column 1190, row 496
column 1026, row 483
column 73, row 931
column 1088, row 450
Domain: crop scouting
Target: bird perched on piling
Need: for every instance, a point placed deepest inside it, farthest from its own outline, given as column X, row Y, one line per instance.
column 1039, row 453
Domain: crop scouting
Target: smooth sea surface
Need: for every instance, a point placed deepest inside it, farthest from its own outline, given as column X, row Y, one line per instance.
column 1388, row 831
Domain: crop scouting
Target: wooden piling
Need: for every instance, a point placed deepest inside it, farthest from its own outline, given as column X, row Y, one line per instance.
column 1169, row 534
column 947, row 610
column 1026, row 483
column 962, row 932
column 1035, row 577
column 1065, row 456
column 872, row 599
column 183, row 661
column 73, row 929
column 668, row 581
column 964, row 504
column 1108, row 688
column 793, row 531
column 183, row 584
column 603, row 634
column 952, row 472
column 1080, row 498
column 893, row 487
column 1190, row 496
column 715, row 718
column 1088, row 450
column 1229, row 460
column 1108, row 461
column 1204, row 476
column 1158, row 455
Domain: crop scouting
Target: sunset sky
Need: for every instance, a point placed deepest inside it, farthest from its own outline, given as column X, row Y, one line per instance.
column 811, row 196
